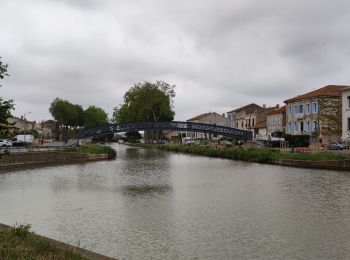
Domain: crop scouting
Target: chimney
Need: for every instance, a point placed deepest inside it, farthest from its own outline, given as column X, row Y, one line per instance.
column 264, row 105
column 223, row 114
column 277, row 105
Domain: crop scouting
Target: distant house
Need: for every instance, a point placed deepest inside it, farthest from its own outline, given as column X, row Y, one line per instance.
column 317, row 112
column 251, row 117
column 276, row 120
column 244, row 117
column 346, row 114
column 20, row 124
column 49, row 129
column 207, row 118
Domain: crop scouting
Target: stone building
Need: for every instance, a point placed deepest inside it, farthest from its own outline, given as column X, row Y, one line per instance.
column 20, row 124
column 207, row 118
column 276, row 120
column 317, row 112
column 49, row 129
column 346, row 114
column 251, row 117
column 244, row 117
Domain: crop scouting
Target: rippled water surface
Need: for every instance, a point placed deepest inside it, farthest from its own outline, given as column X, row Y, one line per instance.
column 149, row 204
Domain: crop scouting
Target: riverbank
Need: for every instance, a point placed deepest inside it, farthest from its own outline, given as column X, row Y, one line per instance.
column 19, row 243
column 319, row 160
column 86, row 153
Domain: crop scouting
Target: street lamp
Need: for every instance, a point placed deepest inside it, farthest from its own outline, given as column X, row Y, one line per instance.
column 25, row 125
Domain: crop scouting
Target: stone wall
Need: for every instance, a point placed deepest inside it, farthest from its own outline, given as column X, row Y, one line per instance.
column 330, row 119
column 8, row 161
column 325, row 164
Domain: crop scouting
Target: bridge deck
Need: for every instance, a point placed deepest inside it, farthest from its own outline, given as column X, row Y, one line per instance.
column 173, row 125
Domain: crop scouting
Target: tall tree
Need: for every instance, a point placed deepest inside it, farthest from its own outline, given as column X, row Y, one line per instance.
column 146, row 102
column 6, row 106
column 95, row 116
column 3, row 70
column 66, row 113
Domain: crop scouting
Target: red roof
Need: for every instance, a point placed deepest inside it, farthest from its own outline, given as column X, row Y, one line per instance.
column 327, row 91
column 277, row 111
column 201, row 116
column 252, row 105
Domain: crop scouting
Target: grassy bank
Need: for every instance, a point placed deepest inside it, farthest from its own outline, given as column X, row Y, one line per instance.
column 97, row 149
column 263, row 155
column 20, row 243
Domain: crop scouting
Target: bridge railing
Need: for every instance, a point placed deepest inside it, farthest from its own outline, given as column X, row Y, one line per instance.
column 172, row 125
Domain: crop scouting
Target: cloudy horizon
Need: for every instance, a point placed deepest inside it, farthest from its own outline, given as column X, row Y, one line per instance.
column 220, row 54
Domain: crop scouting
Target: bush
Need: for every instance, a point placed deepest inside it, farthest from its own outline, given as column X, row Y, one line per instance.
column 298, row 140
column 98, row 149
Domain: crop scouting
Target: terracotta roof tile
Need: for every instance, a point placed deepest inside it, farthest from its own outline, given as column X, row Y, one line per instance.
column 245, row 107
column 277, row 111
column 200, row 116
column 327, row 91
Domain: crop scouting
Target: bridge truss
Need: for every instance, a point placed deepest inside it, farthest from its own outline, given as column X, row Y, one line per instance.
column 172, row 125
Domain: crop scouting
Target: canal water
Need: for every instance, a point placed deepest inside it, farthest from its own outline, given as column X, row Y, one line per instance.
column 151, row 204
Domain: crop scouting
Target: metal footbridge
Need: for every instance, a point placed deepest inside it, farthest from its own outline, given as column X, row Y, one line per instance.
column 172, row 125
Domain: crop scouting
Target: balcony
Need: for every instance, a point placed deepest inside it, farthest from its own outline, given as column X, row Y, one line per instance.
column 299, row 116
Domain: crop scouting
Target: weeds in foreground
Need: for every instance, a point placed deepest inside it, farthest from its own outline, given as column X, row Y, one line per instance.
column 19, row 243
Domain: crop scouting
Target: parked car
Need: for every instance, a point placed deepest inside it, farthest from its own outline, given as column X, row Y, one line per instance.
column 5, row 143
column 226, row 143
column 188, row 140
column 336, row 146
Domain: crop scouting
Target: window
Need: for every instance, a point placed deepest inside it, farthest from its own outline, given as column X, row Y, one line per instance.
column 253, row 121
column 349, row 101
column 242, row 124
column 295, row 126
column 236, row 124
column 289, row 127
column 307, row 108
column 295, row 109
column 290, row 110
column 315, row 108
column 301, row 109
column 308, row 126
column 348, row 124
column 314, row 125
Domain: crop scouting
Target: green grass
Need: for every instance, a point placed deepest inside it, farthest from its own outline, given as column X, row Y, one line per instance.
column 263, row 155
column 319, row 156
column 97, row 149
column 19, row 243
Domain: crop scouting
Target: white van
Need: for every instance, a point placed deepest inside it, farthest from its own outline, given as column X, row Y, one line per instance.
column 20, row 140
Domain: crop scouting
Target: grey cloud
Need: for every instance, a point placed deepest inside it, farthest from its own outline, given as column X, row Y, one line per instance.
column 220, row 54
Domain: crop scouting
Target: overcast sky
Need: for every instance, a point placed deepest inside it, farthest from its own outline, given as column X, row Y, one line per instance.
column 220, row 54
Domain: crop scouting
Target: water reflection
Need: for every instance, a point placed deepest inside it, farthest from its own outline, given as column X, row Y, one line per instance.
column 149, row 204
column 136, row 190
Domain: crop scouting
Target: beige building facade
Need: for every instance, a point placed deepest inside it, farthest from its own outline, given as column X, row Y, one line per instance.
column 346, row 114
column 316, row 113
column 207, row 118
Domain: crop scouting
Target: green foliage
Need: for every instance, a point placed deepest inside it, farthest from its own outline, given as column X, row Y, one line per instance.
column 146, row 102
column 263, row 155
column 298, row 140
column 95, row 116
column 6, row 106
column 3, row 70
column 133, row 136
column 66, row 113
column 98, row 149
column 252, row 155
column 19, row 243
